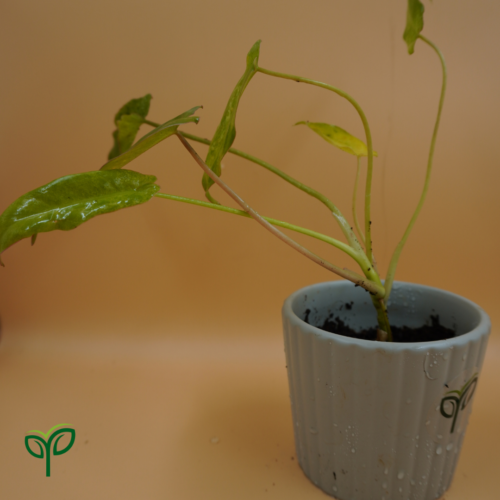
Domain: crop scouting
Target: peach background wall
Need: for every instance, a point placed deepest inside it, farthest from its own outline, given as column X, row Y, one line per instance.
column 169, row 269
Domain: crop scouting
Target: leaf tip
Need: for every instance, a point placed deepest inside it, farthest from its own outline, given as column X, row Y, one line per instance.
column 253, row 55
column 301, row 123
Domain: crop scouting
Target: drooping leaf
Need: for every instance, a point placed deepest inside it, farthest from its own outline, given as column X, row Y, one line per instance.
column 339, row 138
column 151, row 139
column 226, row 131
column 414, row 23
column 72, row 200
column 128, row 120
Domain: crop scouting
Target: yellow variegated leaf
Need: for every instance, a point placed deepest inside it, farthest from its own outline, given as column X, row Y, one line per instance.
column 339, row 138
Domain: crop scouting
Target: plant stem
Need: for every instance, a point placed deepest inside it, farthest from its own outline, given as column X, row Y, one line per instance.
column 298, row 229
column 346, row 229
column 294, row 182
column 369, row 285
column 397, row 252
column 368, row 242
column 382, row 317
column 354, row 198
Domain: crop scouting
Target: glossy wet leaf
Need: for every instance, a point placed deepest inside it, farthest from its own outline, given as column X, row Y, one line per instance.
column 149, row 140
column 414, row 23
column 339, row 138
column 226, row 131
column 70, row 201
column 128, row 121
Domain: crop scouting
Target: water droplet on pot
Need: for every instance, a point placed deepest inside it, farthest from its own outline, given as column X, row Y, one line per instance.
column 401, row 474
column 449, row 447
column 312, row 430
column 445, row 356
column 464, row 357
column 428, row 422
column 353, row 450
column 214, row 440
column 334, row 488
column 400, row 490
column 386, row 471
column 440, row 436
column 412, row 482
column 384, row 485
column 439, row 450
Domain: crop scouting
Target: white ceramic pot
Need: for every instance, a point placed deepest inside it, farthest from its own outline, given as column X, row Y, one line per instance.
column 377, row 420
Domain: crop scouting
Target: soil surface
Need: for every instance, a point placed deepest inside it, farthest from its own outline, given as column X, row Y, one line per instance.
column 431, row 331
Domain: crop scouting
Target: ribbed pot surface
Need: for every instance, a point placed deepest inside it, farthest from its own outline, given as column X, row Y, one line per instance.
column 377, row 420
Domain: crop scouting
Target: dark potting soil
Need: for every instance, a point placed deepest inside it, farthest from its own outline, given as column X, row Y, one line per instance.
column 431, row 331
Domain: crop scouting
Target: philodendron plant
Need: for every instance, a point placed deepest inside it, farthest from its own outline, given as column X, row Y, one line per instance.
column 72, row 200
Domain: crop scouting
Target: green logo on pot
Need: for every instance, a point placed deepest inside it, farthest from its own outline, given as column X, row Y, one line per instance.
column 454, row 402
column 44, row 443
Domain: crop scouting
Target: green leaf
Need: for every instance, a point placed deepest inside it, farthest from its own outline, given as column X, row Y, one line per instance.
column 339, row 138
column 128, row 120
column 226, row 131
column 72, row 200
column 414, row 23
column 149, row 140
column 124, row 135
column 138, row 106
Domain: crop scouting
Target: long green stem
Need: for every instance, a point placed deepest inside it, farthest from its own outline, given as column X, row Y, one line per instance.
column 374, row 287
column 298, row 229
column 344, row 225
column 294, row 182
column 346, row 229
column 354, row 198
column 368, row 242
column 397, row 252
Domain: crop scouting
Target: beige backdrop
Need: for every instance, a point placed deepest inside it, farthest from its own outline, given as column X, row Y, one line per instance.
column 155, row 332
column 166, row 268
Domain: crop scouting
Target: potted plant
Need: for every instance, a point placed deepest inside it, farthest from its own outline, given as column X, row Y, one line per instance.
column 322, row 365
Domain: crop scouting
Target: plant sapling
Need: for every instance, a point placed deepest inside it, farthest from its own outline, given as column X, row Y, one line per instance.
column 69, row 201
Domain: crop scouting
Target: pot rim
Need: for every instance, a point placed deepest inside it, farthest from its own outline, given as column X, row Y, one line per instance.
column 483, row 326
